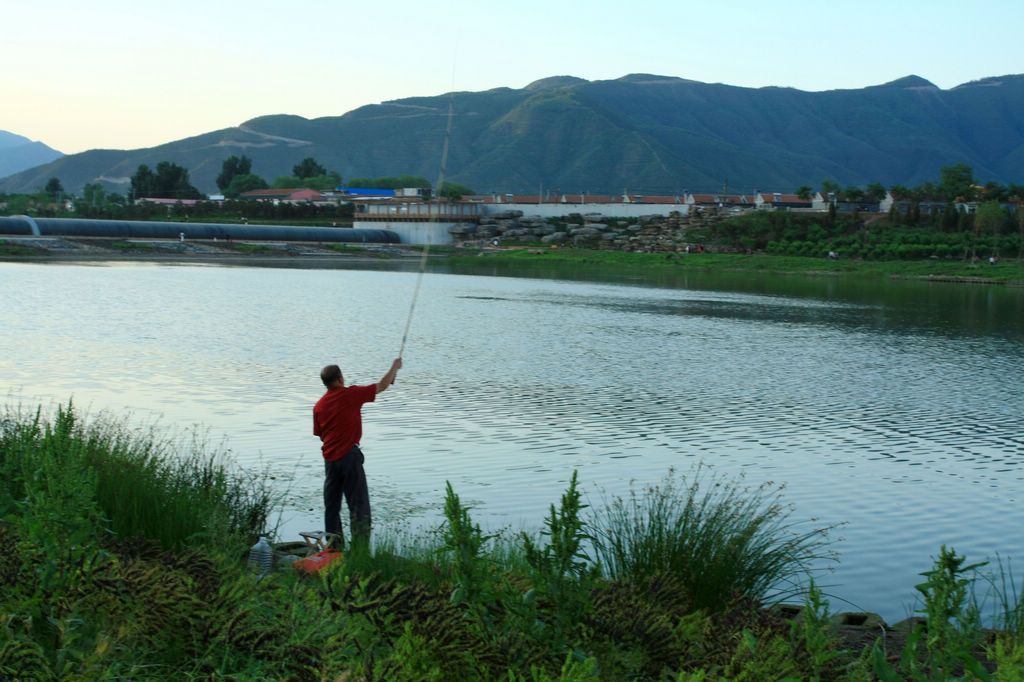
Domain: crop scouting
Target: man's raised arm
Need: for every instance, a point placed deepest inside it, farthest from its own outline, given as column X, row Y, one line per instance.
column 389, row 378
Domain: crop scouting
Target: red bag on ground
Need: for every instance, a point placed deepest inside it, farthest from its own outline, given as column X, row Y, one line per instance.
column 317, row 562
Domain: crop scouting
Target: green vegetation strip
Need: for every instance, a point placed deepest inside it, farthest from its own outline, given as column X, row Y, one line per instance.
column 358, row 250
column 132, row 245
column 125, row 558
column 344, row 248
column 1004, row 272
column 8, row 249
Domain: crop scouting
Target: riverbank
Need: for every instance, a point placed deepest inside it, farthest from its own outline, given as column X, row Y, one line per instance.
column 129, row 560
column 71, row 249
column 1007, row 272
column 50, row 287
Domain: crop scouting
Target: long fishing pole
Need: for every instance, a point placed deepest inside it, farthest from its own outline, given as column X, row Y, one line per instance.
column 426, row 245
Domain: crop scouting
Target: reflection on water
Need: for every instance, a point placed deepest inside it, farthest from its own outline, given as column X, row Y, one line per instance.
column 893, row 406
column 929, row 307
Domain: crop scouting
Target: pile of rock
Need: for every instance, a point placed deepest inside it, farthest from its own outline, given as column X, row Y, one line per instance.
column 507, row 225
column 647, row 234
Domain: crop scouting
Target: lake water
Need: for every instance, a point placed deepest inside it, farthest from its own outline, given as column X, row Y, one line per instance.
column 896, row 407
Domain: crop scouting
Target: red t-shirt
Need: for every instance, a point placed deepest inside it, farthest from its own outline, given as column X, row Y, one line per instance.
column 337, row 418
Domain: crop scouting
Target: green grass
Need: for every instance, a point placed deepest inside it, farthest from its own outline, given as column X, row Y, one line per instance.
column 8, row 249
column 140, row 246
column 125, row 558
column 1007, row 596
column 252, row 248
column 436, row 249
column 719, row 536
column 360, row 250
column 132, row 484
column 344, row 248
column 1005, row 271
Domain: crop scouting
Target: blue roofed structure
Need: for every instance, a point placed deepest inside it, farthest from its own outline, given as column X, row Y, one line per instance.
column 366, row 192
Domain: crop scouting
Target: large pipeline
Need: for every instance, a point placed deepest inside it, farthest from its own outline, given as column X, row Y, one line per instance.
column 143, row 229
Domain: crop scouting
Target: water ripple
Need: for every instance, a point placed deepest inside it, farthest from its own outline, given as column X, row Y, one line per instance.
column 902, row 417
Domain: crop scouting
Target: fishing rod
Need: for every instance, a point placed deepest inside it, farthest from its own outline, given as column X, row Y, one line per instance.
column 426, row 244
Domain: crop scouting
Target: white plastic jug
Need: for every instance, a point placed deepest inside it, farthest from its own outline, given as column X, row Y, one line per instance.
column 261, row 557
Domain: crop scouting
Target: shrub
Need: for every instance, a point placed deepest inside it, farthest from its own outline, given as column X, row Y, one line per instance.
column 721, row 538
column 82, row 585
column 561, row 571
column 944, row 644
column 140, row 484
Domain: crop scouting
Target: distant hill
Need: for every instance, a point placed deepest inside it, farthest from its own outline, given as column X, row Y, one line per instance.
column 641, row 133
column 18, row 153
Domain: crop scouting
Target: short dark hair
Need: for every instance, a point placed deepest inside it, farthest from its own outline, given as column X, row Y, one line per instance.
column 330, row 374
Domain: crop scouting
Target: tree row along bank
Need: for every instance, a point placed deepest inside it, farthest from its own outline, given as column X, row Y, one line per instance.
column 762, row 241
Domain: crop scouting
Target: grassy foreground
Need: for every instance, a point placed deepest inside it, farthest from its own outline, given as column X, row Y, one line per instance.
column 1005, row 271
column 125, row 558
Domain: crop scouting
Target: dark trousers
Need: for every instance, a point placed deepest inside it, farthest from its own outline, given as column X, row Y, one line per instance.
column 345, row 477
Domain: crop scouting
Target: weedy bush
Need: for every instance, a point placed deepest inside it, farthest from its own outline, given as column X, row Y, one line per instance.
column 720, row 537
column 139, row 484
column 78, row 501
column 943, row 646
column 1008, row 648
column 92, row 590
column 951, row 631
column 464, row 540
column 561, row 572
column 1009, row 599
column 812, row 638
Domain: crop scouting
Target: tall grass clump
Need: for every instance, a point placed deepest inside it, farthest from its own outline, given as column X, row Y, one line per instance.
column 175, row 491
column 943, row 643
column 1009, row 599
column 561, row 571
column 1007, row 619
column 126, row 482
column 94, row 516
column 948, row 641
column 720, row 538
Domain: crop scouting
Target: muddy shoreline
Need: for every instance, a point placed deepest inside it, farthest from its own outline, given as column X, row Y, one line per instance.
column 235, row 252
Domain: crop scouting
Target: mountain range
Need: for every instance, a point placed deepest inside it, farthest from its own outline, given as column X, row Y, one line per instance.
column 640, row 133
column 18, row 153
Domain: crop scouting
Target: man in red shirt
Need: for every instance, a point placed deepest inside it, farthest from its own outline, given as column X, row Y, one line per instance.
column 337, row 420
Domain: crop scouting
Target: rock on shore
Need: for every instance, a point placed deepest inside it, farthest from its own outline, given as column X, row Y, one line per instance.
column 647, row 234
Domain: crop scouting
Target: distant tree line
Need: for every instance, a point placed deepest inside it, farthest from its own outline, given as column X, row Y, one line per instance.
column 171, row 181
column 929, row 220
column 951, row 234
column 236, row 177
column 228, row 211
column 953, row 218
column 956, row 184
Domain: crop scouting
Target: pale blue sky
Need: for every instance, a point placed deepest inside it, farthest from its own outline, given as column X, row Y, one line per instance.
column 119, row 74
